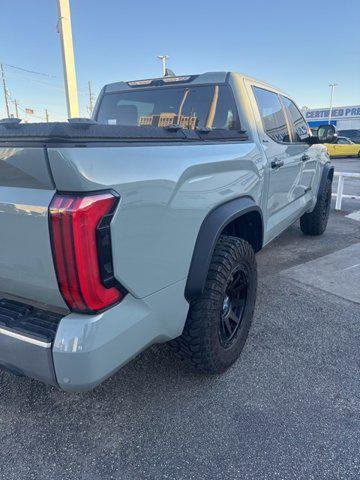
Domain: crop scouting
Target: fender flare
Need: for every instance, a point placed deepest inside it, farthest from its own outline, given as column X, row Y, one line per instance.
column 209, row 233
column 328, row 172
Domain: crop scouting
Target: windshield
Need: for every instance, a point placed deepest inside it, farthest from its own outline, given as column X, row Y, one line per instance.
column 191, row 107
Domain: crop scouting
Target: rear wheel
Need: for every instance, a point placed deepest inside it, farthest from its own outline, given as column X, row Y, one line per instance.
column 315, row 222
column 219, row 321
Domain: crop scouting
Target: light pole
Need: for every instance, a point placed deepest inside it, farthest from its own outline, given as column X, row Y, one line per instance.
column 5, row 91
column 91, row 103
column 16, row 108
column 332, row 86
column 163, row 58
column 64, row 25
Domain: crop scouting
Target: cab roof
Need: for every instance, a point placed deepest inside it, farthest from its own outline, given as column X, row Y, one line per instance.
column 209, row 77
column 193, row 79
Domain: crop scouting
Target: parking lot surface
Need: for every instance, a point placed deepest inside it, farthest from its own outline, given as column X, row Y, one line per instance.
column 289, row 409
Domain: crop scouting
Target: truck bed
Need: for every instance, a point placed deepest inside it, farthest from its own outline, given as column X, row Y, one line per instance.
column 156, row 179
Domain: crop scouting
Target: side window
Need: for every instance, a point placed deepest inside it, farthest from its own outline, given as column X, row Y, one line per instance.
column 300, row 129
column 343, row 141
column 272, row 115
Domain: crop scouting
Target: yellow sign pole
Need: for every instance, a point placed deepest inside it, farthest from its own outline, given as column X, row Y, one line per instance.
column 64, row 25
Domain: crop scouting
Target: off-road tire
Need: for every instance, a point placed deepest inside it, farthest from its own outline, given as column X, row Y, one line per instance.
column 202, row 342
column 315, row 222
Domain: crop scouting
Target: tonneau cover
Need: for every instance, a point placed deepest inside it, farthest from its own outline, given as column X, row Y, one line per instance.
column 56, row 132
column 64, row 131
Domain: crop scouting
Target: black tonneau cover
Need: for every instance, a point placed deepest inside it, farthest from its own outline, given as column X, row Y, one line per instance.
column 64, row 131
column 56, row 132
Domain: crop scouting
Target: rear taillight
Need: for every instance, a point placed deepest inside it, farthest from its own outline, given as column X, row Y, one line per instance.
column 81, row 245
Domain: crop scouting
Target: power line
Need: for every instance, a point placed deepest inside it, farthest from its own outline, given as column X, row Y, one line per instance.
column 43, row 83
column 8, row 97
column 46, row 84
column 30, row 71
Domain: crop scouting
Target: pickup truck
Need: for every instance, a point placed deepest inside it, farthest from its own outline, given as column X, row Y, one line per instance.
column 141, row 225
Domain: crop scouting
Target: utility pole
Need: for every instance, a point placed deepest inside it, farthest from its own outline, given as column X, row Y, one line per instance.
column 163, row 58
column 5, row 91
column 64, row 26
column 46, row 115
column 16, row 109
column 91, row 102
column 332, row 86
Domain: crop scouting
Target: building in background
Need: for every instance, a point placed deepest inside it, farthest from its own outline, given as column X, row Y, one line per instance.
column 343, row 118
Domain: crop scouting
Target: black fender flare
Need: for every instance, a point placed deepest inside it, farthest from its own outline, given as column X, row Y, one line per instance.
column 328, row 172
column 209, row 233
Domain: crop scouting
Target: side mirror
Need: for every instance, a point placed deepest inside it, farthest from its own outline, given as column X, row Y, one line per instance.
column 326, row 133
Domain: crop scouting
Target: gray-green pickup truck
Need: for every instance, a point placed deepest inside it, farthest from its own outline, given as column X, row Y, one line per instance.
column 141, row 225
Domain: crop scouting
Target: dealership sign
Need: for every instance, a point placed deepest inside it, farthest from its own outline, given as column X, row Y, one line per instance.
column 337, row 113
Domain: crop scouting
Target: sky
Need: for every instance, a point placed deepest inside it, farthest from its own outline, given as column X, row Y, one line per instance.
column 297, row 46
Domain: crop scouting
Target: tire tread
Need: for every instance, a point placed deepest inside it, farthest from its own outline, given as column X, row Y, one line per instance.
column 314, row 223
column 195, row 345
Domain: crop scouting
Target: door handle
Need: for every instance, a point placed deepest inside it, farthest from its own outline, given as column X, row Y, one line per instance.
column 305, row 157
column 277, row 163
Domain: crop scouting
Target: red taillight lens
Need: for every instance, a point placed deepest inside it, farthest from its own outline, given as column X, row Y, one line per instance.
column 74, row 221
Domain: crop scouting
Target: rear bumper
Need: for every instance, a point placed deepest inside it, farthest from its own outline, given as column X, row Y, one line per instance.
column 24, row 355
column 87, row 349
column 26, row 337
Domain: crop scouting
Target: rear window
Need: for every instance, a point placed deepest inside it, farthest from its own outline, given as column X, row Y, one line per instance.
column 191, row 107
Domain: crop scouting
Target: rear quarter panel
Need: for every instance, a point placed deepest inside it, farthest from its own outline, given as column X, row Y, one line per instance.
column 166, row 192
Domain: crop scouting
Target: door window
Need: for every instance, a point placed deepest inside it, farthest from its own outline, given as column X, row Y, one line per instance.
column 272, row 115
column 343, row 141
column 299, row 127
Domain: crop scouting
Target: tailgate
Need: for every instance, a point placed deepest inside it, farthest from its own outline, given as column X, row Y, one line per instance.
column 26, row 264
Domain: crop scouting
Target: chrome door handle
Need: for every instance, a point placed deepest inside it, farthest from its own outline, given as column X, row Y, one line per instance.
column 277, row 163
column 305, row 157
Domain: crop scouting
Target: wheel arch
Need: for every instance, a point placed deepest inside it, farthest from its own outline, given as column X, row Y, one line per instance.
column 240, row 217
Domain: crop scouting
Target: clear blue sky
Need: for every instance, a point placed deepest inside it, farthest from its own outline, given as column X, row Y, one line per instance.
column 298, row 46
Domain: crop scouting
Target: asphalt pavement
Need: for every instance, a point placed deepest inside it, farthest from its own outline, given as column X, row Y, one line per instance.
column 289, row 409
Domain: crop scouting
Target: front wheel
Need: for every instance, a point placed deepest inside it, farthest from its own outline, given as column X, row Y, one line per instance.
column 315, row 222
column 218, row 322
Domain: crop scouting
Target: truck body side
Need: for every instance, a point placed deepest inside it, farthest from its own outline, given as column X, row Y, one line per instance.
column 167, row 192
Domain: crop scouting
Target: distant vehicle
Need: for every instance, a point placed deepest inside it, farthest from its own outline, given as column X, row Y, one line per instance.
column 141, row 225
column 343, row 147
column 353, row 134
